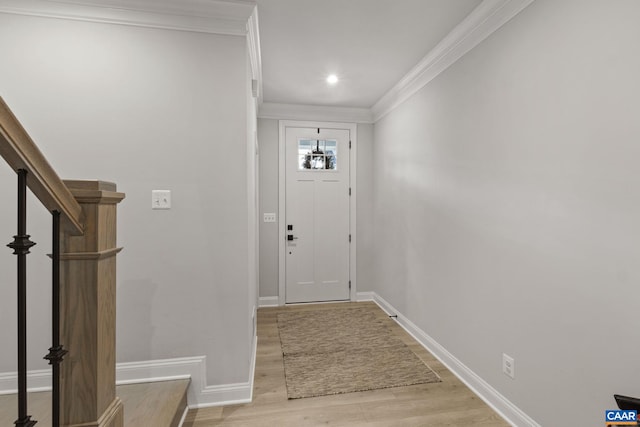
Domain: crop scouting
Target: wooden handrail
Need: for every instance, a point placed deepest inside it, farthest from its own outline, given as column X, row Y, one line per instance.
column 83, row 280
column 20, row 152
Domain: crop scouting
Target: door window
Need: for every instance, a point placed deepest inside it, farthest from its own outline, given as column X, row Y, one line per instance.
column 317, row 154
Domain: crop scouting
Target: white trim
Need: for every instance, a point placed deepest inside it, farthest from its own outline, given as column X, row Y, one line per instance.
column 37, row 380
column 255, row 57
column 365, row 296
column 184, row 416
column 203, row 16
column 353, row 135
column 268, row 302
column 477, row 26
column 282, row 206
column 353, row 262
column 199, row 395
column 229, row 394
column 252, row 363
column 510, row 412
column 160, row 370
column 271, row 110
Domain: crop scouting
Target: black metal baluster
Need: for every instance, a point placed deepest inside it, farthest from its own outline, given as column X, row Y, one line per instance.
column 56, row 352
column 21, row 245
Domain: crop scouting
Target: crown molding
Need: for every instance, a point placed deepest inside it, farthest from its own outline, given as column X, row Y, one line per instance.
column 253, row 47
column 477, row 26
column 204, row 16
column 270, row 110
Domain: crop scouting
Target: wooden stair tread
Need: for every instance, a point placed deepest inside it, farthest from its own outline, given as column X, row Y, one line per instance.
column 156, row 404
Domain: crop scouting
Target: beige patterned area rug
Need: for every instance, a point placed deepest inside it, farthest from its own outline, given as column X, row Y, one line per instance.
column 345, row 350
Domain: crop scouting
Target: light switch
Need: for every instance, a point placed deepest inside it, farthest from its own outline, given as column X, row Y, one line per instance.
column 160, row 199
column 269, row 217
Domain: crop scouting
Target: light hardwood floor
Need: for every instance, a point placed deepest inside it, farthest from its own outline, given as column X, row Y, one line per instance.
column 449, row 403
column 159, row 404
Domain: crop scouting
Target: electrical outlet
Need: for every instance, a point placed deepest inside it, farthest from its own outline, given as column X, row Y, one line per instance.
column 269, row 217
column 508, row 366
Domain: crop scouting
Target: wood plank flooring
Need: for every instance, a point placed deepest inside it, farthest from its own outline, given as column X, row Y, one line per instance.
column 158, row 404
column 154, row 404
column 449, row 403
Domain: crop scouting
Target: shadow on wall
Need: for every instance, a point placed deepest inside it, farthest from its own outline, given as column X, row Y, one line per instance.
column 134, row 303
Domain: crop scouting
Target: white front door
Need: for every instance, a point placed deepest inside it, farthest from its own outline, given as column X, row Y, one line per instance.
column 317, row 214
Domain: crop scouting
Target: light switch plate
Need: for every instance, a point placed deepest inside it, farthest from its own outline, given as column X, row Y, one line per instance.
column 269, row 217
column 160, row 199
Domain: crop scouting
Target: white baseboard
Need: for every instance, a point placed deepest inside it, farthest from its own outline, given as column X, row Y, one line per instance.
column 184, row 416
column 510, row 412
column 268, row 302
column 365, row 296
column 228, row 394
column 149, row 371
column 39, row 380
column 199, row 394
column 275, row 302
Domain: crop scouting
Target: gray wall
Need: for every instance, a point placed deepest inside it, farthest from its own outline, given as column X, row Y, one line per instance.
column 268, row 141
column 506, row 208
column 147, row 109
column 364, row 201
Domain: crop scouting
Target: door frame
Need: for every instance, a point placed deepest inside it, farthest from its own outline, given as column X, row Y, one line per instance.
column 353, row 133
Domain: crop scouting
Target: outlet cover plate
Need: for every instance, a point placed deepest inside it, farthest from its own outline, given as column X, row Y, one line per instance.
column 160, row 199
column 508, row 366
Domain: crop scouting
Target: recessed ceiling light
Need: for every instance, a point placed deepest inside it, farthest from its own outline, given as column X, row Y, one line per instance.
column 332, row 79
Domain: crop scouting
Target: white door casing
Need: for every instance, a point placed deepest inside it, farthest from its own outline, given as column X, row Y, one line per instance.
column 317, row 255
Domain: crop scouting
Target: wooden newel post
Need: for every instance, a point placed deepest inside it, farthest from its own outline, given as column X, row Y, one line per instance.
column 88, row 311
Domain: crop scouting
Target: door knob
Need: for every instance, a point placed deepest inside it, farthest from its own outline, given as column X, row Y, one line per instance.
column 291, row 237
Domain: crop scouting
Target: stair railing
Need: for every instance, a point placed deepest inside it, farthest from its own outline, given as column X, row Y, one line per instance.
column 83, row 226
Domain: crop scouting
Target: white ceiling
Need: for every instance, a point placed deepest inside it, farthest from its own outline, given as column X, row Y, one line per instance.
column 369, row 44
column 383, row 51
